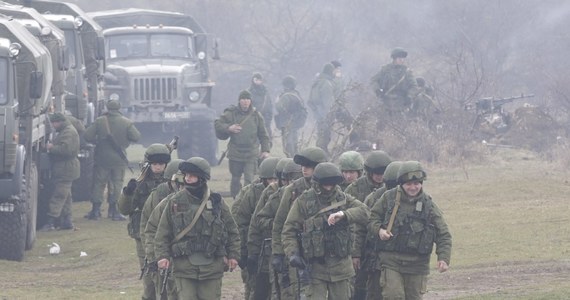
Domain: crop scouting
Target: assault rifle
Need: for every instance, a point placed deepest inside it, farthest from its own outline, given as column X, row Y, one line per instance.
column 173, row 145
column 165, row 274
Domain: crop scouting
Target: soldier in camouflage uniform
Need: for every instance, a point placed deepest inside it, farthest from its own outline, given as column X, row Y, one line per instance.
column 405, row 249
column 371, row 261
column 395, row 84
column 197, row 235
column 131, row 203
column 156, row 196
column 256, row 283
column 351, row 165
column 245, row 128
column 261, row 100
column 321, row 101
column 63, row 151
column 374, row 165
column 308, row 159
column 323, row 216
column 291, row 115
column 110, row 133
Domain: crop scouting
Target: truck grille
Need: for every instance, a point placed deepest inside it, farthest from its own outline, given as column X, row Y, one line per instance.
column 147, row 89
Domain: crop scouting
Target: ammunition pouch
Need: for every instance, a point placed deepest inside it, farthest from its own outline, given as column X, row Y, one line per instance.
column 414, row 237
column 319, row 239
column 133, row 227
column 152, row 267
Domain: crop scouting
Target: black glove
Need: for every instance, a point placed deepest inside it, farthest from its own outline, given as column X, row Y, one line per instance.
column 130, row 188
column 242, row 263
column 296, row 261
column 252, row 262
column 278, row 262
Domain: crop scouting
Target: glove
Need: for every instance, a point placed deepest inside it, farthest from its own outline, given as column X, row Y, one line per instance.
column 130, row 188
column 296, row 261
column 242, row 262
column 252, row 262
column 278, row 263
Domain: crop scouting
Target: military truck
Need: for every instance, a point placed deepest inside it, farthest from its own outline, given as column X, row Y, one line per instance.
column 157, row 67
column 25, row 97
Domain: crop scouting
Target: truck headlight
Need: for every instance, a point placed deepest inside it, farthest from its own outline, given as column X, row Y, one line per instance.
column 194, row 96
column 201, row 55
column 114, row 97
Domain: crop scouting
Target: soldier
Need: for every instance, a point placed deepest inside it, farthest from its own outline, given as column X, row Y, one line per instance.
column 308, row 159
column 351, row 165
column 291, row 115
column 245, row 128
column 395, row 84
column 408, row 224
column 197, row 235
column 111, row 133
column 250, row 195
column 131, row 203
column 158, row 194
column 337, row 77
column 322, row 216
column 63, row 151
column 261, row 100
column 371, row 261
column 423, row 105
column 374, row 165
column 321, row 101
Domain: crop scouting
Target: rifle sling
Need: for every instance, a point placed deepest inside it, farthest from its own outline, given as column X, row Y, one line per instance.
column 332, row 206
column 395, row 211
column 395, row 85
column 111, row 139
column 184, row 231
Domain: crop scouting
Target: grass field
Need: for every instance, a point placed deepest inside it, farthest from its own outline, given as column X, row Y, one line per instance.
column 509, row 216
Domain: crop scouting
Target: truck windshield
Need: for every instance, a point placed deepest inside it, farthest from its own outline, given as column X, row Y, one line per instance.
column 70, row 43
column 149, row 45
column 3, row 81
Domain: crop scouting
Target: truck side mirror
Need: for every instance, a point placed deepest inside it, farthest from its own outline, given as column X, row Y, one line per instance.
column 201, row 43
column 36, row 84
column 216, row 55
column 64, row 59
column 100, row 51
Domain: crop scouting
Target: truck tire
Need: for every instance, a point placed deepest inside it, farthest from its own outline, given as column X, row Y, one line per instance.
column 81, row 189
column 13, row 228
column 199, row 140
column 32, row 192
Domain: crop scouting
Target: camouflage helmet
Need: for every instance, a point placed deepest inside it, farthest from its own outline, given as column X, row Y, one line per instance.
column 289, row 82
column 376, row 162
column 398, row 53
column 351, row 161
column 281, row 166
column 57, row 117
column 411, row 171
column 310, row 157
column 172, row 168
column 157, row 153
column 245, row 94
column 196, row 166
column 267, row 167
column 292, row 170
column 328, row 69
column 113, row 105
column 391, row 174
column 327, row 174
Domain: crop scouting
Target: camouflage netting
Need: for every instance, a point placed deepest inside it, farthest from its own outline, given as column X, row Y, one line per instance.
column 532, row 129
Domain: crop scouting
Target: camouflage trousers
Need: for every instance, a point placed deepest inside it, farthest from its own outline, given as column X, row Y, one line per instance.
column 374, row 292
column 60, row 201
column 247, row 284
column 323, row 135
column 239, row 168
column 290, row 139
column 149, row 292
column 110, row 177
column 210, row 289
column 170, row 293
column 396, row 285
column 360, row 284
column 326, row 290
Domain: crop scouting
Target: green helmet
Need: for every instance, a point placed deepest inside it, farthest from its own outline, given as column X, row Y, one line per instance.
column 351, row 161
column 157, row 153
column 113, row 105
column 281, row 166
column 327, row 174
column 197, row 166
column 411, row 171
column 310, row 157
column 376, row 162
column 178, row 177
column 399, row 52
column 391, row 174
column 267, row 167
column 292, row 170
column 289, row 82
column 172, row 168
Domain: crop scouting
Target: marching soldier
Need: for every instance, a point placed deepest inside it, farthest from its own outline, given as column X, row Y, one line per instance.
column 351, row 165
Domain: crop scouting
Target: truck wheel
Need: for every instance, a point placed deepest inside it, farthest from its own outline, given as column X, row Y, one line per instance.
column 82, row 188
column 13, row 233
column 32, row 193
column 199, row 140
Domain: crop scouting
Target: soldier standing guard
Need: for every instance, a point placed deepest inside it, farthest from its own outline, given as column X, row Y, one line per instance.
column 321, row 100
column 261, row 100
column 198, row 232
column 63, row 151
column 291, row 115
column 111, row 133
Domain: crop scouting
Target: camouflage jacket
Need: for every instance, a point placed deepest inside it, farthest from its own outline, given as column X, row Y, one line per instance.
column 291, row 111
column 160, row 192
column 249, row 197
column 63, row 154
column 322, row 97
column 395, row 82
column 149, row 231
column 261, row 100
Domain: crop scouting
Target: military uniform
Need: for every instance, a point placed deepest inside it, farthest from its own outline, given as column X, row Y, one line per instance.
column 325, row 249
column 109, row 164
column 261, row 100
column 243, row 147
column 321, row 101
column 198, row 256
column 419, row 224
column 64, row 170
column 291, row 115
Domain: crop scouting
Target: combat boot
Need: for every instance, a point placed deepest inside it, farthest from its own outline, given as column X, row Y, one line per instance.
column 95, row 213
column 66, row 223
column 114, row 214
column 50, row 225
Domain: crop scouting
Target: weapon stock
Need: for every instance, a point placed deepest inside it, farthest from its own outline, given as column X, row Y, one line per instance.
column 173, row 145
column 143, row 269
column 165, row 274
